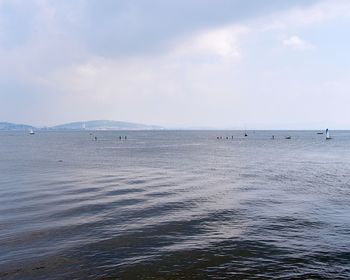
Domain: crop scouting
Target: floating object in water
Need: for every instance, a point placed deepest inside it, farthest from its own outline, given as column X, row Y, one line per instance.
column 60, row 160
column 31, row 132
column 328, row 137
column 95, row 138
column 245, row 134
column 320, row 133
column 273, row 137
column 289, row 137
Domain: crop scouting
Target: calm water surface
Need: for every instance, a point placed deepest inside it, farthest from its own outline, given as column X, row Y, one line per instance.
column 174, row 205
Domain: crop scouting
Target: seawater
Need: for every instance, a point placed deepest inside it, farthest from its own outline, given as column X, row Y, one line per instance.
column 174, row 205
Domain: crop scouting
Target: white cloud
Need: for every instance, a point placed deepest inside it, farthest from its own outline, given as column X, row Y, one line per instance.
column 299, row 17
column 295, row 42
column 221, row 42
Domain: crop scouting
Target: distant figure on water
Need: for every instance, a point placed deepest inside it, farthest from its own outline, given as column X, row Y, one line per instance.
column 273, row 137
column 95, row 138
column 245, row 134
column 125, row 137
column 120, row 138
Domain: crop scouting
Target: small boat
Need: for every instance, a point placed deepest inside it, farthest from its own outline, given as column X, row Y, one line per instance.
column 320, row 133
column 289, row 137
column 31, row 132
column 328, row 137
column 245, row 134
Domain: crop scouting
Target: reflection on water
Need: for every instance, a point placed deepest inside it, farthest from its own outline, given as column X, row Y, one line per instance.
column 174, row 205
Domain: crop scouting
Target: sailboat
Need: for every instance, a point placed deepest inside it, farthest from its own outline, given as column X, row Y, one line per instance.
column 328, row 137
column 31, row 132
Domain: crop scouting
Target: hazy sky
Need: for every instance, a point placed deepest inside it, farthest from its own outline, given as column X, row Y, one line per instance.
column 215, row 63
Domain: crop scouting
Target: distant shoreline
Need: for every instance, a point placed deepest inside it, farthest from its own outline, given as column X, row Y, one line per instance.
column 108, row 125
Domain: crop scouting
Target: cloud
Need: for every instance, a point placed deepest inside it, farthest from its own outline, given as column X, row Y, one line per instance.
column 295, row 42
column 217, row 65
column 144, row 88
column 127, row 27
column 301, row 16
column 220, row 42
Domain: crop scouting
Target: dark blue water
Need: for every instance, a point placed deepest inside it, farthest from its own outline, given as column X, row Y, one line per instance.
column 174, row 205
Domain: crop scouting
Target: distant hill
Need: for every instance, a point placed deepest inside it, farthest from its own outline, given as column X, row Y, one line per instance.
column 104, row 125
column 15, row 127
column 88, row 125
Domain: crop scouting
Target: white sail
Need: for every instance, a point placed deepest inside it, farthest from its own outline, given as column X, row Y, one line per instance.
column 327, row 134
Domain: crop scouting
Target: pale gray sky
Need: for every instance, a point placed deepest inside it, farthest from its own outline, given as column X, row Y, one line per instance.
column 176, row 63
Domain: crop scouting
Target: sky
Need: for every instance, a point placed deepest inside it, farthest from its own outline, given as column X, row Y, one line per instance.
column 232, row 64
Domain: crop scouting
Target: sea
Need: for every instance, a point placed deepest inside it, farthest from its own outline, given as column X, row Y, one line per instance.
column 174, row 205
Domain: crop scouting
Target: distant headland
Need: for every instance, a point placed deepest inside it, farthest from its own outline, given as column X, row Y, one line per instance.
column 83, row 125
